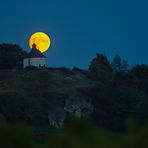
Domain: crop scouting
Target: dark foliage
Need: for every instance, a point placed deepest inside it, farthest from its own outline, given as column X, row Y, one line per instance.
column 13, row 136
column 116, row 103
column 11, row 56
column 81, row 134
column 31, row 68
column 139, row 71
column 100, row 68
column 120, row 68
column 119, row 65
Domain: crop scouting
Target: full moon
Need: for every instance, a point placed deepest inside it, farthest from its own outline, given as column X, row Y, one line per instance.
column 41, row 40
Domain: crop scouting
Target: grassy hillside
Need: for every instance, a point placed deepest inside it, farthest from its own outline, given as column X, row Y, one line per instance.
column 28, row 95
column 42, row 80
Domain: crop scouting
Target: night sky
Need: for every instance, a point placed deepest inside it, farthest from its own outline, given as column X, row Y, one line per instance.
column 79, row 29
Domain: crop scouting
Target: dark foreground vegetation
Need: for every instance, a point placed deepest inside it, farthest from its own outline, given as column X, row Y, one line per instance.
column 108, row 94
column 77, row 133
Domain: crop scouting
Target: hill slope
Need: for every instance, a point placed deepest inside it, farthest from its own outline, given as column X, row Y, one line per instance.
column 45, row 96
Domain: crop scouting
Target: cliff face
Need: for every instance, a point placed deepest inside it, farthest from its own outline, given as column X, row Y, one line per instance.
column 44, row 96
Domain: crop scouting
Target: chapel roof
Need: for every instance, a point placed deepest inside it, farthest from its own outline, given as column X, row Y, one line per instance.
column 35, row 53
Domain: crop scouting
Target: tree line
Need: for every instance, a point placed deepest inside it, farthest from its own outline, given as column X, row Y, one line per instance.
column 103, row 70
column 11, row 57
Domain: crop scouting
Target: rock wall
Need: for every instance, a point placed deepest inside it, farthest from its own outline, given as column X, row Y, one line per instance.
column 76, row 105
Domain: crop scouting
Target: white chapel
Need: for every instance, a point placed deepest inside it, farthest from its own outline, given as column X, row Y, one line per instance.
column 34, row 58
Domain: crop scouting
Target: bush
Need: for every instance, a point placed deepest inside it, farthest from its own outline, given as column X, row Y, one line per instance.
column 15, row 136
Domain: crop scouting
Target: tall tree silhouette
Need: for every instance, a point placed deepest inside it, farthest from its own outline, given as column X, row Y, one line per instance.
column 100, row 68
column 119, row 65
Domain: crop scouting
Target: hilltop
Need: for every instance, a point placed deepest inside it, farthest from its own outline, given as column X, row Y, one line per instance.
column 108, row 93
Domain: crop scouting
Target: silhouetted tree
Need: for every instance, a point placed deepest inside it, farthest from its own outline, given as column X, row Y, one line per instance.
column 100, row 68
column 11, row 56
column 139, row 71
column 119, row 65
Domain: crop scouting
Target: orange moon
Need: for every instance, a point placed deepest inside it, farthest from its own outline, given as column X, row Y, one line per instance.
column 41, row 40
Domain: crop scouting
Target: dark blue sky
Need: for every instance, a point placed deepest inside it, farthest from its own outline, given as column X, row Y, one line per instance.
column 79, row 29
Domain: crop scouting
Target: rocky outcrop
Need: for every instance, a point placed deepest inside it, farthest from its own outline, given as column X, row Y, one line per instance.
column 57, row 117
column 79, row 107
column 76, row 105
